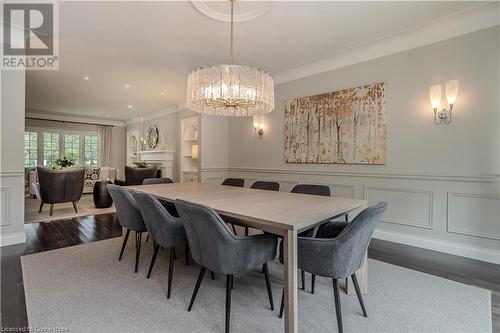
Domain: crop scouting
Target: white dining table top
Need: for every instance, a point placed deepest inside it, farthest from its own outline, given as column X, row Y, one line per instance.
column 264, row 209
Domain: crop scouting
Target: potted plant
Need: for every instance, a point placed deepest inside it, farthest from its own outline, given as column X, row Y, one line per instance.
column 63, row 162
column 140, row 164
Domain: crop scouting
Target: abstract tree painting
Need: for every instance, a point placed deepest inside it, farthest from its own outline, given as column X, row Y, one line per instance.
column 345, row 127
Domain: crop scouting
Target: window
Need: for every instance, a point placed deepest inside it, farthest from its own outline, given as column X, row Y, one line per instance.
column 30, row 149
column 50, row 148
column 90, row 149
column 72, row 147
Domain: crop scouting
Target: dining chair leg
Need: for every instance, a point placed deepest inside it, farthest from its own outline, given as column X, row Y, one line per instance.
column 303, row 277
column 358, row 292
column 138, row 237
column 175, row 254
column 337, row 304
column 170, row 271
column 212, row 275
column 74, row 207
column 313, row 282
column 268, row 285
column 229, row 282
column 234, row 229
column 153, row 259
column 246, row 231
column 282, row 306
column 196, row 287
column 41, row 206
column 51, row 209
column 147, row 238
column 186, row 251
column 124, row 244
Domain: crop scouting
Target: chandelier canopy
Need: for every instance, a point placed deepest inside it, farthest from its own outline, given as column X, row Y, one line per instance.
column 230, row 90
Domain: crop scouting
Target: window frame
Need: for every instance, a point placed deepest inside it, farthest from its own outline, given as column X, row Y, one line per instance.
column 62, row 133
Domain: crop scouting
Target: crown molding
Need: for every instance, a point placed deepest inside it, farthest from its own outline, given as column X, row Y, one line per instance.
column 153, row 115
column 44, row 115
column 467, row 21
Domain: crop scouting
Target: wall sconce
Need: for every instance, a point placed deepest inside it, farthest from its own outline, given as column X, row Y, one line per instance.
column 194, row 151
column 443, row 115
column 258, row 125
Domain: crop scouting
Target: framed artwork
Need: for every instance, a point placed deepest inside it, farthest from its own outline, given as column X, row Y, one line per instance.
column 345, row 127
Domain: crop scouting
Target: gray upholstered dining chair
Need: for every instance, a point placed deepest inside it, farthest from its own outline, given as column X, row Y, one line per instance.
column 129, row 217
column 337, row 251
column 165, row 230
column 151, row 181
column 310, row 189
column 215, row 247
column 235, row 182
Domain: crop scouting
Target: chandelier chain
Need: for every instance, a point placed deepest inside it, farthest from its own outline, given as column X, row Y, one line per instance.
column 231, row 59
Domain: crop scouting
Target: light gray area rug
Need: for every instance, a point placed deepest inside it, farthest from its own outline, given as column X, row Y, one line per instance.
column 62, row 211
column 86, row 289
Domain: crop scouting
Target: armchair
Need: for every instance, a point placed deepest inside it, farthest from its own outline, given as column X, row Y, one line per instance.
column 135, row 176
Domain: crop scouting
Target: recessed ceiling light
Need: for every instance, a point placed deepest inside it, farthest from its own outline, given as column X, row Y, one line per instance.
column 130, row 106
column 86, row 78
column 127, row 85
column 163, row 93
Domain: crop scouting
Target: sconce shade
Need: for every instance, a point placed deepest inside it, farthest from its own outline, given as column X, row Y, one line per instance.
column 435, row 95
column 258, row 121
column 452, row 91
column 194, row 151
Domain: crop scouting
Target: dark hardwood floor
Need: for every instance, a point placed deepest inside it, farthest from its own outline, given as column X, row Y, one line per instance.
column 63, row 233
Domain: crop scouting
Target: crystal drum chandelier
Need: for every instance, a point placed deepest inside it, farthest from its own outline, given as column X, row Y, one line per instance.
column 230, row 90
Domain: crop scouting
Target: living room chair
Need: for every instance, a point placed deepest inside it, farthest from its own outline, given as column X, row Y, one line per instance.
column 129, row 217
column 135, row 176
column 59, row 186
column 214, row 247
column 338, row 251
column 165, row 230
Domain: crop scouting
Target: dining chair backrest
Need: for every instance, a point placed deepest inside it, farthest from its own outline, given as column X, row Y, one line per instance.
column 312, row 189
column 343, row 255
column 265, row 185
column 127, row 210
column 236, row 182
column 163, row 228
column 151, row 181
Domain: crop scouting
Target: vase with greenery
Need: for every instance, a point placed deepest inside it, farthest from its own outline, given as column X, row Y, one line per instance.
column 140, row 164
column 64, row 162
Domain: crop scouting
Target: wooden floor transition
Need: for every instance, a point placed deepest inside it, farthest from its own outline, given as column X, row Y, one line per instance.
column 47, row 236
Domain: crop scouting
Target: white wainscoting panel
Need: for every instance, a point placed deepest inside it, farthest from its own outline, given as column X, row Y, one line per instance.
column 406, row 207
column 474, row 214
column 4, row 203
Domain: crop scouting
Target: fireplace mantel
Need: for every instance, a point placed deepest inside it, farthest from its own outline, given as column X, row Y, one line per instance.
column 163, row 159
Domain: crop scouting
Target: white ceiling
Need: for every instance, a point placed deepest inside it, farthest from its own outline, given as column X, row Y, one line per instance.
column 153, row 45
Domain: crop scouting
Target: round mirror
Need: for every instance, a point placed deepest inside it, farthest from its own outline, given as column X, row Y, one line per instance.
column 153, row 135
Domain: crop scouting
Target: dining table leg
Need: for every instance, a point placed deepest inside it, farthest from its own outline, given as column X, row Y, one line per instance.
column 290, row 280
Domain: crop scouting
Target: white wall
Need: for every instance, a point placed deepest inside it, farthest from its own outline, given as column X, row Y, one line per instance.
column 11, row 158
column 442, row 182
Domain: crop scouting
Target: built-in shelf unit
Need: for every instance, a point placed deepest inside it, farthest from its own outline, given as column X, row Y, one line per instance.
column 133, row 146
column 190, row 148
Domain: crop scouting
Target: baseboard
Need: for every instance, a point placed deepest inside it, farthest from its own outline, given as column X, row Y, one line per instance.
column 17, row 238
column 441, row 246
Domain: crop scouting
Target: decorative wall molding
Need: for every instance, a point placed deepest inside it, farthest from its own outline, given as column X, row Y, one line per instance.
column 433, row 177
column 483, row 16
column 5, row 203
column 46, row 115
column 406, row 221
column 477, row 253
column 11, row 239
column 489, row 211
column 12, row 174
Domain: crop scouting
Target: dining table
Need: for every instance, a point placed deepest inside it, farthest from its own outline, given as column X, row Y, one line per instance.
column 281, row 213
